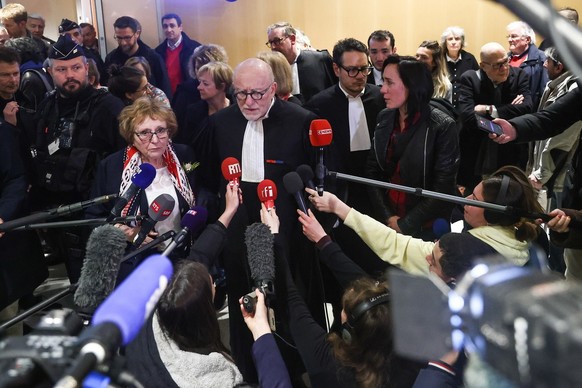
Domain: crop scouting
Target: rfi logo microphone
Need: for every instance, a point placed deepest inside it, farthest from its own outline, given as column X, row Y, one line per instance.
column 268, row 192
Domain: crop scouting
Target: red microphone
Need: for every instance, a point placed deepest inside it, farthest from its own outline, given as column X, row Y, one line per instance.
column 267, row 192
column 231, row 169
column 320, row 135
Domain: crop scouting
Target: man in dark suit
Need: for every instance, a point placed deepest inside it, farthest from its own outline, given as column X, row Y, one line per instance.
column 496, row 90
column 351, row 107
column 176, row 49
column 270, row 138
column 312, row 70
column 381, row 45
column 127, row 33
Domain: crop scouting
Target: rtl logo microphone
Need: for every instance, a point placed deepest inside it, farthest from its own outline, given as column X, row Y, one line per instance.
column 234, row 169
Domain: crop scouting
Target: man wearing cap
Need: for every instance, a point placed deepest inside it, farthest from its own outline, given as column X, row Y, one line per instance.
column 76, row 125
column 127, row 33
column 69, row 27
column 14, row 17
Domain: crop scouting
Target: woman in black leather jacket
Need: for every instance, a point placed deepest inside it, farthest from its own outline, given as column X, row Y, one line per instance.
column 414, row 145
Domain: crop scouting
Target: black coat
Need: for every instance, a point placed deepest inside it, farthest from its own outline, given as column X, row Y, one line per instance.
column 315, row 70
column 430, row 161
column 457, row 69
column 479, row 155
column 22, row 266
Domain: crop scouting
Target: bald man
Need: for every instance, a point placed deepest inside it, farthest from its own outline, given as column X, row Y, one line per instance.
column 269, row 137
column 495, row 90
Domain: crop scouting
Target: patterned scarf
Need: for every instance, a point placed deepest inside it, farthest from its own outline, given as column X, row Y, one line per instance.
column 131, row 162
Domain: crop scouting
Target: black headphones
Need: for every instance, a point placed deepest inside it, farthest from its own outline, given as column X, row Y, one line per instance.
column 493, row 217
column 359, row 310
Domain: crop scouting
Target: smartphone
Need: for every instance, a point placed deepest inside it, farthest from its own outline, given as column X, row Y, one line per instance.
column 488, row 125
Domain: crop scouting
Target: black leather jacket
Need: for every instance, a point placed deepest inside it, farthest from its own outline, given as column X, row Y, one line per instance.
column 430, row 161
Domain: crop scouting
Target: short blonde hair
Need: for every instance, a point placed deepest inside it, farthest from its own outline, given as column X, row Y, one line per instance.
column 15, row 12
column 141, row 109
column 220, row 72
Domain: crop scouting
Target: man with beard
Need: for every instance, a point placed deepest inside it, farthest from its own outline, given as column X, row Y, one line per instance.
column 127, row 33
column 76, row 125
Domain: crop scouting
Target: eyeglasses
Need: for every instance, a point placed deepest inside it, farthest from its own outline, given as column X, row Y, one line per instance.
column 124, row 38
column 275, row 42
column 497, row 66
column 255, row 94
column 147, row 135
column 354, row 71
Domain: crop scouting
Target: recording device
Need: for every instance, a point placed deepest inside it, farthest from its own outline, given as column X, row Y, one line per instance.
column 105, row 248
column 488, row 125
column 193, row 221
column 294, row 186
column 118, row 320
column 320, row 136
column 140, row 180
column 259, row 241
column 159, row 210
column 231, row 170
column 524, row 323
column 54, row 213
column 40, row 358
column 267, row 192
column 306, row 174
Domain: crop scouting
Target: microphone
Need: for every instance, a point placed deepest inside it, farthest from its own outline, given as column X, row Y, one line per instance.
column 105, row 248
column 320, row 135
column 118, row 320
column 193, row 221
column 294, row 186
column 140, row 180
column 231, row 169
column 54, row 213
column 259, row 241
column 267, row 192
column 159, row 210
column 306, row 174
column 440, row 227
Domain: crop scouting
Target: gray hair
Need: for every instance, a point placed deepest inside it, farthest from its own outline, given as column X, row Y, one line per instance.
column 525, row 29
column 454, row 31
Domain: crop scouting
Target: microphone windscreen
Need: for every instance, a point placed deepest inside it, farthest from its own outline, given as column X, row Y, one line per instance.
column 440, row 227
column 130, row 305
column 161, row 207
column 105, row 248
column 267, row 190
column 144, row 176
column 195, row 219
column 320, row 133
column 231, row 169
column 260, row 253
column 292, row 182
column 306, row 174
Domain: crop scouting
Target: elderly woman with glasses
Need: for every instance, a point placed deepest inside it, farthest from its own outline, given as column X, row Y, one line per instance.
column 147, row 126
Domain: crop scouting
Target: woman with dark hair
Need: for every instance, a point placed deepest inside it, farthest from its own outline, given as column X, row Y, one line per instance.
column 129, row 83
column 414, row 145
column 429, row 52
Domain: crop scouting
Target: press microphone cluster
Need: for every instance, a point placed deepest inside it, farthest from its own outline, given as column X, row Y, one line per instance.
column 54, row 213
column 139, row 181
column 192, row 222
column 118, row 320
column 320, row 136
column 160, row 209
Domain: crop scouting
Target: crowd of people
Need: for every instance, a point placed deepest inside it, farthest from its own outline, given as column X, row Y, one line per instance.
column 76, row 126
